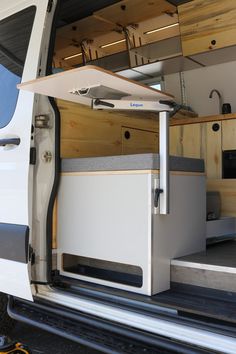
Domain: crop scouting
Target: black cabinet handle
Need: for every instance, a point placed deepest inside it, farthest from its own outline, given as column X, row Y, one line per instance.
column 157, row 193
column 9, row 141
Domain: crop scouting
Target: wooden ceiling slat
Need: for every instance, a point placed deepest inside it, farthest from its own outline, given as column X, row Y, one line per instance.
column 87, row 28
column 128, row 12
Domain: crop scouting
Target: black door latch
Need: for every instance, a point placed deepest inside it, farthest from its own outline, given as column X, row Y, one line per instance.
column 157, row 193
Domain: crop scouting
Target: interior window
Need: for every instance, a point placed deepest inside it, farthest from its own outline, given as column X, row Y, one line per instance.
column 14, row 40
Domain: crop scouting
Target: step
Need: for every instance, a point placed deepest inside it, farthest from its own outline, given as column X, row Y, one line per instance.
column 99, row 334
column 214, row 269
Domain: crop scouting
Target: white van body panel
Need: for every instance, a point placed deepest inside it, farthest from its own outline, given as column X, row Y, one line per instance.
column 16, row 173
column 17, row 273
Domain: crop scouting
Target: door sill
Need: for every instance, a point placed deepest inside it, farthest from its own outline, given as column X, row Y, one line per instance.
column 215, row 336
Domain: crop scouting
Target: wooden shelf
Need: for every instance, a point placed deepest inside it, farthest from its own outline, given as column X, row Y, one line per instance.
column 203, row 119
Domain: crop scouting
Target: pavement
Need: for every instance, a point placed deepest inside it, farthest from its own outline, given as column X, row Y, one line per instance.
column 41, row 342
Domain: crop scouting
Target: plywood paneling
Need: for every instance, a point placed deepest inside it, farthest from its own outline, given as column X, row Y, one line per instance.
column 85, row 29
column 128, row 12
column 213, row 151
column 205, row 119
column 85, row 132
column 191, row 140
column 202, row 22
column 229, row 134
column 176, row 141
column 138, row 141
column 227, row 189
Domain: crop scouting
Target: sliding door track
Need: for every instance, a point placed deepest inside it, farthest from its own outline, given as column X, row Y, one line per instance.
column 95, row 333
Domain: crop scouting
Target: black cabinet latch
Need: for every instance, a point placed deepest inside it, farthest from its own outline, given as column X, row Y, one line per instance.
column 50, row 4
column 32, row 156
column 157, row 193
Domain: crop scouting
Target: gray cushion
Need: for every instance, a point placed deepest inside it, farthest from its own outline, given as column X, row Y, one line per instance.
column 130, row 162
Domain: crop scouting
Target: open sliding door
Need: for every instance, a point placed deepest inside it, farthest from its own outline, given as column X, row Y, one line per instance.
column 22, row 25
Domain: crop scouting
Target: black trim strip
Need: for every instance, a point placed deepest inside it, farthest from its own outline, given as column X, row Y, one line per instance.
column 57, row 146
column 14, row 241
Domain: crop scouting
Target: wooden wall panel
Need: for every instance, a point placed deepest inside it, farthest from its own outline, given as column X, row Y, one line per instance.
column 140, row 141
column 191, row 140
column 227, row 189
column 202, row 22
column 85, row 132
column 176, row 141
column 229, row 134
column 213, row 151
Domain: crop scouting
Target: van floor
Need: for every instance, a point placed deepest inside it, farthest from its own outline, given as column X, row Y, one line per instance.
column 184, row 297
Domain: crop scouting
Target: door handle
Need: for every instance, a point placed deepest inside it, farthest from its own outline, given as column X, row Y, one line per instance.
column 9, row 141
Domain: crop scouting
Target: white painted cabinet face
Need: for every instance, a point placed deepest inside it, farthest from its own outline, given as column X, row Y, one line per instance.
column 21, row 30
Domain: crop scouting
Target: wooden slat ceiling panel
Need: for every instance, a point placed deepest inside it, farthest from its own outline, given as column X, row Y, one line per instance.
column 87, row 28
column 128, row 12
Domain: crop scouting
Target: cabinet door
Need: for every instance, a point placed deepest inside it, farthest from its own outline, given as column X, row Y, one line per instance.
column 229, row 134
column 207, row 25
column 136, row 141
column 213, row 150
column 175, row 141
column 191, row 140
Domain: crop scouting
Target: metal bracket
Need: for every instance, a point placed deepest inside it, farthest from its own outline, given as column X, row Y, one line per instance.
column 164, row 162
column 163, row 107
column 47, row 156
column 50, row 4
column 42, row 121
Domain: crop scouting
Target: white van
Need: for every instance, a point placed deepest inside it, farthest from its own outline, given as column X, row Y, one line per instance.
column 103, row 236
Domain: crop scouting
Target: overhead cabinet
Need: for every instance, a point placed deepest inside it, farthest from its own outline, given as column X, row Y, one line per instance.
column 206, row 25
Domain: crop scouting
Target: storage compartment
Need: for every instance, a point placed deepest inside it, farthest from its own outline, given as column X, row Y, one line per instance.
column 213, row 205
column 109, row 231
column 96, row 268
column 229, row 164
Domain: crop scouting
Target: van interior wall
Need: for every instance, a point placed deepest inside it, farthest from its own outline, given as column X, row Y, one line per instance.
column 86, row 133
column 198, row 84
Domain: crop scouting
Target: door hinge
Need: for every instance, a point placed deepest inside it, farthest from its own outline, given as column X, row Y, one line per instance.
column 32, row 156
column 31, row 255
column 50, row 3
column 42, row 121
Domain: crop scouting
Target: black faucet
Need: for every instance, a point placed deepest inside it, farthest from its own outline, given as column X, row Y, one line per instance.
column 220, row 98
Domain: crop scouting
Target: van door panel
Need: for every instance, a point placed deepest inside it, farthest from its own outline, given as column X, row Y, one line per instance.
column 16, row 173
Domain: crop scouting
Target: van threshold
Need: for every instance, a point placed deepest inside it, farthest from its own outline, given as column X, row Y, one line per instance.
column 97, row 334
